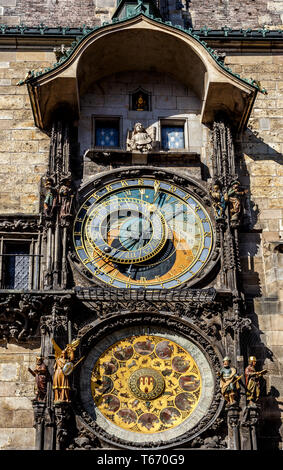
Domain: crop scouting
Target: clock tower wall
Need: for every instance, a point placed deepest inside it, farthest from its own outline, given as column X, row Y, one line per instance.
column 172, row 106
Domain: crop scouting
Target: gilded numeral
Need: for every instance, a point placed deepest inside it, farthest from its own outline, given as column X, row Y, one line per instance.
column 124, row 183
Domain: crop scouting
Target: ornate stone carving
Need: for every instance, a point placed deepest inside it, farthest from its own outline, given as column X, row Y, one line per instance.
column 85, row 440
column 235, row 197
column 65, row 199
column 219, row 201
column 238, row 324
column 139, row 139
column 22, row 314
column 19, row 316
column 63, row 416
column 19, row 225
column 50, row 199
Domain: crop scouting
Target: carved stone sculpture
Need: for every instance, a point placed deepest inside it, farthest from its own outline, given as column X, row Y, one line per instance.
column 50, row 198
column 139, row 139
column 41, row 375
column 235, row 197
column 219, row 201
column 253, row 380
column 65, row 198
column 229, row 381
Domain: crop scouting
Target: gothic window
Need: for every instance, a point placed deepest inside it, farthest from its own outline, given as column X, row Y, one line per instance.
column 16, row 265
column 173, row 135
column 107, row 132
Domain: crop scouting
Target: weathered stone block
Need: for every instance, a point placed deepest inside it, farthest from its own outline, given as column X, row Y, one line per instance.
column 9, row 371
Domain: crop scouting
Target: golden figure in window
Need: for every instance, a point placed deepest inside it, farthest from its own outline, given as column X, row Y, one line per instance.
column 141, row 103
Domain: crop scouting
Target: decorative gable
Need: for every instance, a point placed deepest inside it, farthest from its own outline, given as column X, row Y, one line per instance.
column 127, row 9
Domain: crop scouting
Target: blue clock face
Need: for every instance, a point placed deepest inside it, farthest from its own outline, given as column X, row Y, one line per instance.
column 143, row 233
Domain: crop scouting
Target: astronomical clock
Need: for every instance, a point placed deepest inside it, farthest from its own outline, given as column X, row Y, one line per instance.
column 143, row 233
column 146, row 380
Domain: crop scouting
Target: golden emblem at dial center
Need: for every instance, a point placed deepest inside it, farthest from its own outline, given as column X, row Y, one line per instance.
column 146, row 384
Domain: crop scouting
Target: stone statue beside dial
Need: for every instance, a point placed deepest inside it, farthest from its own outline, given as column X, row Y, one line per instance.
column 141, row 139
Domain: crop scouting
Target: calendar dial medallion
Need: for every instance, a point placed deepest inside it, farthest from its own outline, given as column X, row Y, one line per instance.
column 146, row 384
column 143, row 233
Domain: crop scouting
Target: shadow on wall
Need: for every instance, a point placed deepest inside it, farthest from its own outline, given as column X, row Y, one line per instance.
column 251, row 244
column 271, row 422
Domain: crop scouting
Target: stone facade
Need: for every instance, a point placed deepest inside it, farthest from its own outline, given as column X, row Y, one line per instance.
column 24, row 151
column 16, row 393
column 21, row 142
column 215, row 15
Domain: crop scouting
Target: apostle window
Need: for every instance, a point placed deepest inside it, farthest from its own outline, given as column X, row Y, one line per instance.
column 173, row 135
column 107, row 132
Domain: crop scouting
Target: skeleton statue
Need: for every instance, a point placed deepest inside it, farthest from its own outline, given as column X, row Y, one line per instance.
column 139, row 139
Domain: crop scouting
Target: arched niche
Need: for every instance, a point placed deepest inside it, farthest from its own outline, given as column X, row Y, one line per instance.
column 142, row 43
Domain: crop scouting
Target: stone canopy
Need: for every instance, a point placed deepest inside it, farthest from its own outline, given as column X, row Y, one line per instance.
column 141, row 43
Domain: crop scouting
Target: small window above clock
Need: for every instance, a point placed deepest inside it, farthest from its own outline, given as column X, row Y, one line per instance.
column 173, row 136
column 107, row 132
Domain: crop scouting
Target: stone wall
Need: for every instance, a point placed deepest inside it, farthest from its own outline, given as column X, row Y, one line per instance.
column 24, row 155
column 213, row 14
column 16, row 393
column 261, row 167
column 23, row 147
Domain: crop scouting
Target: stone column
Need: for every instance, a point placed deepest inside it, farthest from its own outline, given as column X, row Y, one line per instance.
column 248, row 427
column 63, row 415
column 233, row 421
column 39, row 414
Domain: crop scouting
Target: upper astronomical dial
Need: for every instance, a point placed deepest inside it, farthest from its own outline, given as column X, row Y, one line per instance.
column 143, row 233
column 138, row 227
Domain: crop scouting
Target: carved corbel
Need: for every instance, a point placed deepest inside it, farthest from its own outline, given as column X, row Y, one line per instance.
column 233, row 421
column 63, row 423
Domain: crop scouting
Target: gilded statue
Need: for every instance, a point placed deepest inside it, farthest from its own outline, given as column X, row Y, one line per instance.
column 139, row 139
column 229, row 381
column 63, row 367
column 253, row 380
column 219, row 201
column 41, row 376
column 141, row 103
